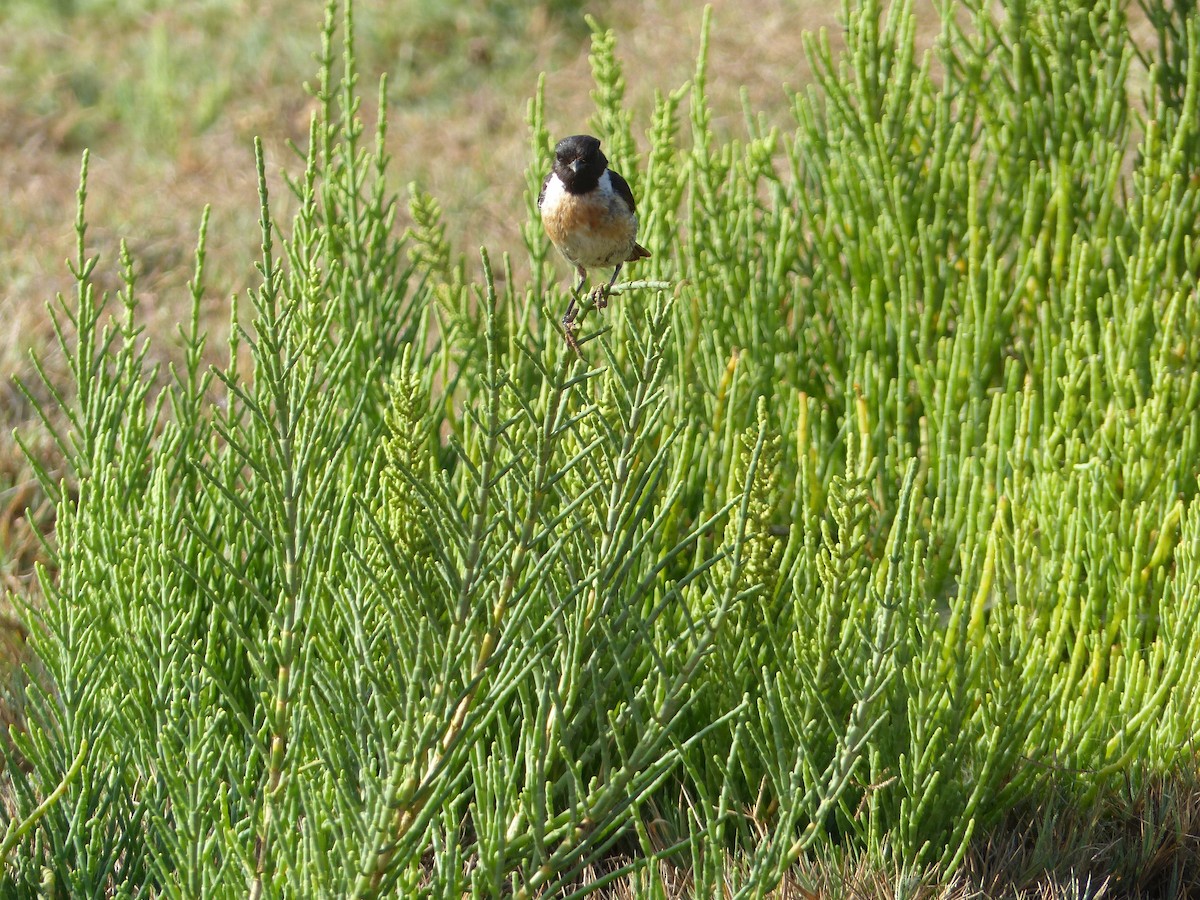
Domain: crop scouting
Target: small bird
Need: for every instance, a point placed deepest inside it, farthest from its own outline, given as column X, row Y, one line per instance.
column 589, row 213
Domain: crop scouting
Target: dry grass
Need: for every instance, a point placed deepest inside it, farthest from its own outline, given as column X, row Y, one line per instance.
column 1141, row 845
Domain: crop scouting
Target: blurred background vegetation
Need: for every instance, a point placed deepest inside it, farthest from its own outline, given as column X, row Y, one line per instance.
column 170, row 95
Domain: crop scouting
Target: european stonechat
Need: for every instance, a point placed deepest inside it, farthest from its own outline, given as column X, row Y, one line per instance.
column 590, row 216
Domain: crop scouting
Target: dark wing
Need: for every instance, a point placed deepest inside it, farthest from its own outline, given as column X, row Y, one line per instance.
column 546, row 181
column 621, row 188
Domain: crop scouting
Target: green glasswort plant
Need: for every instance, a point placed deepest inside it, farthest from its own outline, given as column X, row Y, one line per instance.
column 870, row 515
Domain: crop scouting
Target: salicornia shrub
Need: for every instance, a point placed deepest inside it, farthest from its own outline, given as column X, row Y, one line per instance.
column 869, row 513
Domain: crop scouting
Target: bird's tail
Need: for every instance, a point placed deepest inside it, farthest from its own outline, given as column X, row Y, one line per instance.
column 639, row 252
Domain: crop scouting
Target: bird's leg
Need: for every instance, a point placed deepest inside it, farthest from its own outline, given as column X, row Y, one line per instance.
column 568, row 319
column 602, row 292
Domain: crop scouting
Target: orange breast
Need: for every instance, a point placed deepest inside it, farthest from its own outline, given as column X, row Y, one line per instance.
column 591, row 230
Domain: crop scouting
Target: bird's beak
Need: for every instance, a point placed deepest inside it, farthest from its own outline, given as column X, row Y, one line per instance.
column 575, row 165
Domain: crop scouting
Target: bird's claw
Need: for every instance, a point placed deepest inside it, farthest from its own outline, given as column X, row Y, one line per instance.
column 599, row 298
column 568, row 324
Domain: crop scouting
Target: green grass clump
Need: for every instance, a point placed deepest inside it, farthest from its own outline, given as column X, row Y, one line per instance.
column 869, row 517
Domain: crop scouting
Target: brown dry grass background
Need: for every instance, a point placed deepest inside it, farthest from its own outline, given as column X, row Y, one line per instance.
column 168, row 97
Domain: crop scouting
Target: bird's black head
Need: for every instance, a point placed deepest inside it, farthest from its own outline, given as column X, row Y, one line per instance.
column 579, row 163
